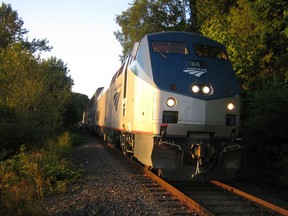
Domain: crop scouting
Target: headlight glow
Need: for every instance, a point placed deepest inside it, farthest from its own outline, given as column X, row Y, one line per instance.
column 202, row 89
column 206, row 90
column 171, row 102
column 195, row 88
column 230, row 106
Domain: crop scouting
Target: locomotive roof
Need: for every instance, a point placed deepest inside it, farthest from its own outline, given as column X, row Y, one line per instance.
column 175, row 35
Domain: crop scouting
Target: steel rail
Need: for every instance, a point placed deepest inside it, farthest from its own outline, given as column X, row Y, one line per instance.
column 257, row 200
column 200, row 210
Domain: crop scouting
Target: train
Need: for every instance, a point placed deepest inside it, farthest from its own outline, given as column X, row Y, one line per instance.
column 174, row 106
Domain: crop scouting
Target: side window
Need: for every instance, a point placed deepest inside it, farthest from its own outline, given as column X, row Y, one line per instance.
column 117, row 74
column 135, row 49
column 113, row 78
column 120, row 70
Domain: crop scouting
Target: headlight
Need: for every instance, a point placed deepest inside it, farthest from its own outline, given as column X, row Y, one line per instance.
column 206, row 90
column 195, row 88
column 171, row 102
column 230, row 106
column 203, row 89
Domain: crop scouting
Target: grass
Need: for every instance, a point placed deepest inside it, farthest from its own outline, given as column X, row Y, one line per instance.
column 28, row 176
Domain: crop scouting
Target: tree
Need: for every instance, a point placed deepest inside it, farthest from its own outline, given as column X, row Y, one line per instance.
column 75, row 108
column 12, row 31
column 10, row 26
column 149, row 16
column 35, row 96
column 22, row 83
column 34, row 93
column 274, row 16
column 255, row 33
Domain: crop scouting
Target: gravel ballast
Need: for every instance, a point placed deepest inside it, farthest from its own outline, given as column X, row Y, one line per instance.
column 105, row 188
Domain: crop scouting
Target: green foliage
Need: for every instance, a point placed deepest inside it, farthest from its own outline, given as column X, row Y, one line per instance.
column 28, row 176
column 10, row 26
column 34, row 93
column 75, row 107
column 12, row 31
column 254, row 32
column 34, row 96
column 266, row 132
column 20, row 86
column 149, row 16
column 269, row 105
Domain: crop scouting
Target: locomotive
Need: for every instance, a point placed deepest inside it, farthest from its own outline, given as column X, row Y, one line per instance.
column 174, row 105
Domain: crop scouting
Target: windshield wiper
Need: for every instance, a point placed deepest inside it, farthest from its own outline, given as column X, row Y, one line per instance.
column 165, row 57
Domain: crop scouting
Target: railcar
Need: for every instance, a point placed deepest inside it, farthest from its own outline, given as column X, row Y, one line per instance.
column 174, row 105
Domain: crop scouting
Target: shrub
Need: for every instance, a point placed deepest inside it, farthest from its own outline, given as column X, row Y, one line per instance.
column 28, row 176
column 266, row 132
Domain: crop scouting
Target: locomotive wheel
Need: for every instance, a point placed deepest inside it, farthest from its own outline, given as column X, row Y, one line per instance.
column 125, row 151
column 124, row 148
column 157, row 172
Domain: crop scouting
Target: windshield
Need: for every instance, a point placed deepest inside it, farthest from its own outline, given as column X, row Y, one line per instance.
column 209, row 51
column 163, row 47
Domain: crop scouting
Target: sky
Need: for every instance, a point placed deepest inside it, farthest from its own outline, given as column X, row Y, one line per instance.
column 81, row 34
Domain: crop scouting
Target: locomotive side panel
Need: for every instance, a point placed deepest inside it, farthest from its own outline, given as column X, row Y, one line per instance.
column 100, row 113
column 128, row 100
column 113, row 104
column 110, row 110
column 143, row 124
column 143, row 103
column 143, row 148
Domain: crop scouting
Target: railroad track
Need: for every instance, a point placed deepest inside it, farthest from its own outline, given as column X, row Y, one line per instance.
column 197, row 198
column 161, row 194
column 220, row 200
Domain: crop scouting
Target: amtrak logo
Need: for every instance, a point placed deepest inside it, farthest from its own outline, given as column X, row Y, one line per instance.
column 116, row 100
column 195, row 71
column 195, row 68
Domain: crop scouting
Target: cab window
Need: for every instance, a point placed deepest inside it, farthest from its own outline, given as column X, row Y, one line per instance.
column 210, row 51
column 170, row 47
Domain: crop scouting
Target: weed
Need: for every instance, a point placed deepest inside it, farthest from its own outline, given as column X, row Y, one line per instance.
column 28, row 176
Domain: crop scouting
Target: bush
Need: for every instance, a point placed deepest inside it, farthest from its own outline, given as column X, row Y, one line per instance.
column 31, row 174
column 266, row 132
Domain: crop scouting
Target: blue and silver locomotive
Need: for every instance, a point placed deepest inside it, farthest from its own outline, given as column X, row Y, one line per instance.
column 174, row 105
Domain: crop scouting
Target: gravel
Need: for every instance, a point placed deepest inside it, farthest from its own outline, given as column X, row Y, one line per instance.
column 105, row 188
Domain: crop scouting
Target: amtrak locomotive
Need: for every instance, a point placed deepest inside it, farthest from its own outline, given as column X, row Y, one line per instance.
column 174, row 105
